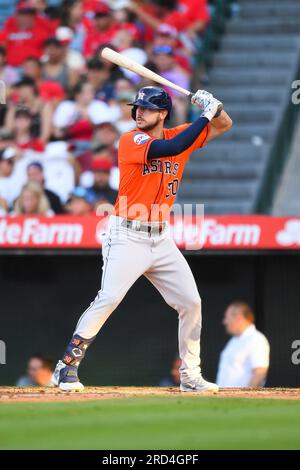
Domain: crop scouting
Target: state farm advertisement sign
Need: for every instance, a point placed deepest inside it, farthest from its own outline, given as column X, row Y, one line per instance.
column 213, row 233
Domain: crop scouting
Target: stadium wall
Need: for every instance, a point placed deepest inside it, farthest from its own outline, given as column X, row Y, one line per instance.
column 42, row 297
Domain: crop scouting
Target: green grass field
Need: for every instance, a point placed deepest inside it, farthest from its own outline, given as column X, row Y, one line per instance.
column 152, row 423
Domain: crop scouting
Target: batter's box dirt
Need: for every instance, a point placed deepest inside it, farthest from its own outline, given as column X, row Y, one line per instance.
column 15, row 394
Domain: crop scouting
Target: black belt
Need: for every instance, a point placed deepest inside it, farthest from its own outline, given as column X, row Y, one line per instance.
column 148, row 227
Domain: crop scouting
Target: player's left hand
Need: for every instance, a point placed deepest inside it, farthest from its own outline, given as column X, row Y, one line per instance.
column 201, row 98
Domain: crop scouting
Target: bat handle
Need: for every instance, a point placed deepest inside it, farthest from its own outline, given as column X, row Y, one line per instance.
column 220, row 107
column 219, row 110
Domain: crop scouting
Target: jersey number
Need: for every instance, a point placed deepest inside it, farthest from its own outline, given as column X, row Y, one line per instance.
column 173, row 188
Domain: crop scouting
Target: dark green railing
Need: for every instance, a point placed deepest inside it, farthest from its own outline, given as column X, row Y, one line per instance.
column 214, row 32
column 279, row 154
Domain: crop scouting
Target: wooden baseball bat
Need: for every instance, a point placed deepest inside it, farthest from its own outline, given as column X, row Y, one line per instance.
column 139, row 69
column 129, row 64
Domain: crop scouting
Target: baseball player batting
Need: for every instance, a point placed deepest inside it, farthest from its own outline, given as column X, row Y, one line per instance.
column 138, row 242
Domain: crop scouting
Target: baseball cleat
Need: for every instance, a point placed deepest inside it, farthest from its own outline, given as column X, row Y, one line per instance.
column 66, row 379
column 199, row 385
column 71, row 386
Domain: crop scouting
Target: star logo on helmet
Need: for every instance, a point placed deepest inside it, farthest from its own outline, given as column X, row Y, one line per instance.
column 141, row 95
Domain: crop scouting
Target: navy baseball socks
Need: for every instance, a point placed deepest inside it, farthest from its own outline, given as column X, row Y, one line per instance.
column 65, row 375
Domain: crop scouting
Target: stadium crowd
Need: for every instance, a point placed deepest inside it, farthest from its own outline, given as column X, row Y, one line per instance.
column 65, row 107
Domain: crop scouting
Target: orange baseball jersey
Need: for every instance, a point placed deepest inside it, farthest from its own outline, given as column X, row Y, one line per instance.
column 148, row 187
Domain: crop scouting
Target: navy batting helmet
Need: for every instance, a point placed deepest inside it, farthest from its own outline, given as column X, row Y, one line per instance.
column 151, row 97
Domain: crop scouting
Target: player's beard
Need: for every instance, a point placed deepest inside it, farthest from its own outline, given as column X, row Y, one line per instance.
column 149, row 127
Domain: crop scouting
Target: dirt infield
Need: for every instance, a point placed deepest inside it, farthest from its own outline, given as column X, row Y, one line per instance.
column 14, row 394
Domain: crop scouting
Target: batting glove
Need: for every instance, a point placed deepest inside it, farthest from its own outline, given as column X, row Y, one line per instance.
column 212, row 109
column 201, row 98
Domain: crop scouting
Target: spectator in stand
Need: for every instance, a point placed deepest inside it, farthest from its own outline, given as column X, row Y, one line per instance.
column 102, row 32
column 164, row 60
column 101, row 190
column 188, row 16
column 7, row 162
column 124, row 18
column 55, row 67
column 81, row 203
column 40, row 6
column 47, row 89
column 22, row 128
column 72, row 16
column 244, row 362
column 124, row 41
column 3, row 207
column 115, row 73
column 90, row 5
column 74, row 59
column 124, row 84
column 75, row 119
column 106, row 135
column 48, row 14
column 125, row 123
column 25, row 95
column 44, row 18
column 196, row 16
column 39, row 372
column 173, row 379
column 32, row 68
column 24, row 33
column 10, row 75
column 50, row 92
column 98, row 77
column 167, row 35
column 67, row 93
column 35, row 172
column 32, row 201
column 6, row 138
column 86, row 159
column 125, row 38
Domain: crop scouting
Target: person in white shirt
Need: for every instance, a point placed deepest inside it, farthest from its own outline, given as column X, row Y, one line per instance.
column 7, row 161
column 32, row 201
column 244, row 362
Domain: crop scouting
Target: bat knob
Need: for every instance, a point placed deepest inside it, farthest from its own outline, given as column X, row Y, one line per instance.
column 219, row 110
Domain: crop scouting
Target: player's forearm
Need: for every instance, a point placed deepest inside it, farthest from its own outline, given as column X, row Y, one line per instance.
column 179, row 143
column 222, row 122
column 219, row 125
column 258, row 377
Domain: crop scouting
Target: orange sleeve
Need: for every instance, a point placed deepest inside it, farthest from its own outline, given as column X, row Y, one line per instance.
column 134, row 147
